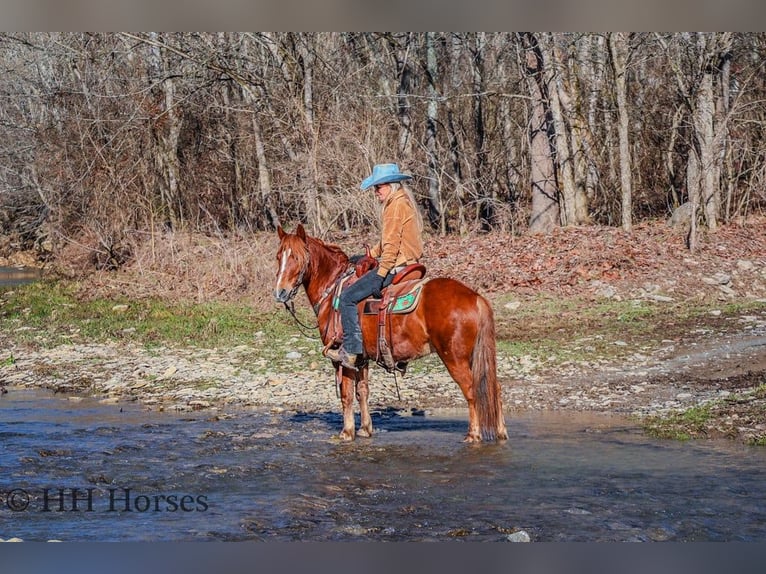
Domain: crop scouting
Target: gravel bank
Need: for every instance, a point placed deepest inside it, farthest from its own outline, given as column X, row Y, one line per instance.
column 652, row 381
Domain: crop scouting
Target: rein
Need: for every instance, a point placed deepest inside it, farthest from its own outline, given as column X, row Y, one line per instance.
column 290, row 306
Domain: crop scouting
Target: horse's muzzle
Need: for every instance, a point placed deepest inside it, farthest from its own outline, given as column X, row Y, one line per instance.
column 281, row 295
column 284, row 295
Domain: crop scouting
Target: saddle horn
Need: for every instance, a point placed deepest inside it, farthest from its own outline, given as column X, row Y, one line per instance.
column 366, row 263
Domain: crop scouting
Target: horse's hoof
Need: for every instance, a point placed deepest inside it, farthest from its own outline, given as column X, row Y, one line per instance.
column 346, row 436
column 364, row 433
column 472, row 438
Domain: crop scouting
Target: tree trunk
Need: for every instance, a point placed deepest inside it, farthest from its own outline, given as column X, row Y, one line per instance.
column 455, row 153
column 545, row 207
column 167, row 128
column 485, row 211
column 508, row 183
column 563, row 153
column 618, row 46
column 311, row 188
column 709, row 165
column 693, row 189
column 434, row 198
column 404, row 73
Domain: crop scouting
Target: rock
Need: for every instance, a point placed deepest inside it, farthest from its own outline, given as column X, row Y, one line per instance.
column 745, row 265
column 512, row 305
column 518, row 536
column 169, row 372
column 659, row 298
column 717, row 279
column 603, row 290
column 120, row 308
column 293, row 355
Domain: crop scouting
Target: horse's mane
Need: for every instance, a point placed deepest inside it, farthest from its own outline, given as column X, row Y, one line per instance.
column 334, row 249
column 301, row 252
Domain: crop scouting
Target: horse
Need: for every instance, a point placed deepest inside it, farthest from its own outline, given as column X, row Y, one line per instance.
column 451, row 319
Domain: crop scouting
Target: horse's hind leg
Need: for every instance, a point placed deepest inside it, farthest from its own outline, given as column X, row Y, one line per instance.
column 362, row 395
column 347, row 402
column 460, row 371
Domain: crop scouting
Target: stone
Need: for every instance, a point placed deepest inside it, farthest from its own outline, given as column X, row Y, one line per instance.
column 745, row 265
column 169, row 372
column 717, row 279
column 660, row 298
column 518, row 536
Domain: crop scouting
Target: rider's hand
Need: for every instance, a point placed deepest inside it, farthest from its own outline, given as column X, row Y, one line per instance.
column 378, row 287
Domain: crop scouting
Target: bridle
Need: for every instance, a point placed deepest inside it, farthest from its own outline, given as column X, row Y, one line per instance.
column 290, row 304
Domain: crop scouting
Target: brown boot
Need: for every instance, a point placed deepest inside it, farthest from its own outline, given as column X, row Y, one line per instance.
column 348, row 360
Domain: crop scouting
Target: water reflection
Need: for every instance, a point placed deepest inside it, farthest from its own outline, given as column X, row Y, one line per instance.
column 10, row 276
column 264, row 476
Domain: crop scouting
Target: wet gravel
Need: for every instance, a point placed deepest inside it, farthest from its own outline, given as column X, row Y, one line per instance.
column 709, row 367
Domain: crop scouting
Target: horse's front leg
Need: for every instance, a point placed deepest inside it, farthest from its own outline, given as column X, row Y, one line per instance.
column 362, row 395
column 347, row 402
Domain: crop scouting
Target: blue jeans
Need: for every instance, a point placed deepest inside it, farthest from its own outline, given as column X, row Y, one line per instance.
column 350, row 297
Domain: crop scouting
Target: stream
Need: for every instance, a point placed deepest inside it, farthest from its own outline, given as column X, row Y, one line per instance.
column 78, row 469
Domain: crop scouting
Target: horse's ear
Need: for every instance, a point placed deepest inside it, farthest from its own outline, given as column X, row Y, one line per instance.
column 280, row 232
column 300, row 232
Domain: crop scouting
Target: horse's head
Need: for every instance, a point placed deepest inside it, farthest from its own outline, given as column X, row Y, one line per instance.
column 292, row 262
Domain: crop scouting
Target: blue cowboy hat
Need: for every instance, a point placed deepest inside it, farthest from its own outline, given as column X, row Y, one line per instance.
column 384, row 173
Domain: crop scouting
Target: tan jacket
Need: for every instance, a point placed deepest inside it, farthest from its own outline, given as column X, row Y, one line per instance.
column 400, row 242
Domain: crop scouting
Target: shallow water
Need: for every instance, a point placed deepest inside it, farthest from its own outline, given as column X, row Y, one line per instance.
column 10, row 276
column 257, row 475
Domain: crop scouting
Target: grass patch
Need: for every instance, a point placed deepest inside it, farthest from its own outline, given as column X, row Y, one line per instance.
column 545, row 329
column 686, row 425
column 50, row 314
column 577, row 329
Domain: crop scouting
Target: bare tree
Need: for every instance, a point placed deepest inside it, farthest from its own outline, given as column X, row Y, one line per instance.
column 435, row 212
column 544, row 214
column 105, row 135
column 619, row 51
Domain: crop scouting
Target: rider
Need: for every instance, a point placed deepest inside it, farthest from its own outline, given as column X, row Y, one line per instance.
column 400, row 244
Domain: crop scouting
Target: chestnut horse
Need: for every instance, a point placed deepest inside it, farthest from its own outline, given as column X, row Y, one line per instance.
column 451, row 319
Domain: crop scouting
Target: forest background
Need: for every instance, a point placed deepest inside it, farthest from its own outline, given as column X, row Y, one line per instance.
column 110, row 140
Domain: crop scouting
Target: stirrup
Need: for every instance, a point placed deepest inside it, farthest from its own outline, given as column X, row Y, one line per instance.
column 339, row 355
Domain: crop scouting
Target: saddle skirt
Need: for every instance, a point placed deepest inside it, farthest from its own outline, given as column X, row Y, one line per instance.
column 399, row 298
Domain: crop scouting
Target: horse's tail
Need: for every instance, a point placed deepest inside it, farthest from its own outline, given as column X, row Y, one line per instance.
column 489, row 403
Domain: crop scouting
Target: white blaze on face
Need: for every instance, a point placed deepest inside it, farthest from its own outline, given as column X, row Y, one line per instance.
column 283, row 265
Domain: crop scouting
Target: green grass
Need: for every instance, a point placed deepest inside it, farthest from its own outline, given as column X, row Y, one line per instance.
column 52, row 313
column 682, row 426
column 548, row 329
